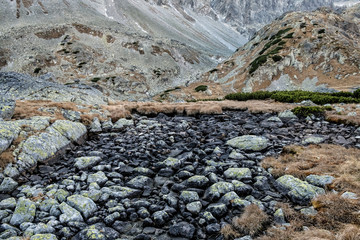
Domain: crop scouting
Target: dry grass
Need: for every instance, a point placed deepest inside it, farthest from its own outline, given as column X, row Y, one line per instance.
column 251, row 222
column 6, row 157
column 337, row 161
column 229, row 232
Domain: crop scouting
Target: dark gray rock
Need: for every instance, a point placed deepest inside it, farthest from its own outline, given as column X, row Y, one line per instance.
column 182, row 229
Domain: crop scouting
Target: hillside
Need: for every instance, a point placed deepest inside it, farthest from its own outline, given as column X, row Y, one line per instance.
column 314, row 51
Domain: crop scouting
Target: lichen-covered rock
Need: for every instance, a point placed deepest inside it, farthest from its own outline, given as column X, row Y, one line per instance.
column 8, row 185
column 279, row 216
column 189, row 196
column 217, row 209
column 249, row 143
column 197, row 181
column 182, row 229
column 121, row 192
column 7, row 108
column 82, row 163
column 83, row 204
column 9, row 203
column 40, row 228
column 299, row 191
column 73, row 131
column 287, row 114
column 95, row 126
column 228, row 198
column 98, row 177
column 172, row 163
column 71, row 115
column 240, row 203
column 238, row 173
column 313, row 140
column 47, row 204
column 160, row 218
column 320, row 181
column 97, row 232
column 194, row 207
column 9, row 131
column 69, row 214
column 123, row 122
column 43, row 237
column 216, row 190
column 140, row 182
column 24, row 212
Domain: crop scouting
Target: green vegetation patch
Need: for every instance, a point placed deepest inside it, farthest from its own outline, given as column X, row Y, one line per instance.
column 313, row 110
column 321, row 31
column 96, row 79
column 201, row 88
column 276, row 58
column 290, row 35
column 257, row 63
column 299, row 96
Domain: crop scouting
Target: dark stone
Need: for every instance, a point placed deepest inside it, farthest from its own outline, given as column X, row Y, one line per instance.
column 182, row 229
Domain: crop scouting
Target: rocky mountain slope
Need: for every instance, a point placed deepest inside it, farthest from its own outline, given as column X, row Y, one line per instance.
column 316, row 51
column 133, row 49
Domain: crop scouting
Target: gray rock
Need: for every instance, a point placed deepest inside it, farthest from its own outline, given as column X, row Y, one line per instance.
column 95, row 126
column 312, row 140
column 83, row 204
column 216, row 190
column 249, row 143
column 350, row 195
column 228, row 198
column 237, row 156
column 97, row 232
column 98, row 177
column 172, row 163
column 47, row 204
column 140, row 182
column 238, row 173
column 7, row 108
column 213, row 228
column 194, row 207
column 121, row 192
column 310, row 211
column 69, row 214
column 8, row 185
column 11, row 171
column 240, row 203
column 320, row 181
column 73, row 131
column 71, row 115
column 287, row 114
column 9, row 203
column 279, row 216
column 44, row 237
column 189, row 196
column 217, row 209
column 299, row 191
column 123, row 122
column 197, row 181
column 9, row 131
column 182, row 229
column 82, row 163
column 208, row 217
column 40, row 228
column 107, row 125
column 24, row 212
column 160, row 218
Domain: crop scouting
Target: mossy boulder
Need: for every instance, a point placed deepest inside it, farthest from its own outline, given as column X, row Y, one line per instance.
column 249, row 143
column 238, row 173
column 83, row 204
column 24, row 212
column 299, row 191
column 69, row 214
column 44, row 237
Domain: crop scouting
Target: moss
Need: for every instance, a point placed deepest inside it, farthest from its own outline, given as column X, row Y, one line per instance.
column 275, row 51
column 312, row 110
column 276, row 58
column 257, row 63
column 356, row 93
column 201, row 88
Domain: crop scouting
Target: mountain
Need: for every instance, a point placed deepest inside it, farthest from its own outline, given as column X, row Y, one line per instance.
column 129, row 49
column 315, row 51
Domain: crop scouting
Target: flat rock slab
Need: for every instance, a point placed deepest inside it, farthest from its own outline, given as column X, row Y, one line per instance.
column 249, row 143
column 9, row 131
column 238, row 173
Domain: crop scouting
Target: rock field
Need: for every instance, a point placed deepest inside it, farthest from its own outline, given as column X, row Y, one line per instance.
column 165, row 177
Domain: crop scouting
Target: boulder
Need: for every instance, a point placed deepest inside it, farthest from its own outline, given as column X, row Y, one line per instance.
column 249, row 143
column 83, row 204
column 238, row 173
column 8, row 185
column 82, row 163
column 24, row 212
column 69, row 214
column 182, row 229
column 216, row 190
column 7, row 108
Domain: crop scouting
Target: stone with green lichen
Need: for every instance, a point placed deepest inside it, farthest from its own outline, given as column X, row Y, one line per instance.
column 140, row 182
column 73, row 131
column 194, row 207
column 310, row 211
column 249, row 143
column 98, row 177
column 320, row 181
column 8, row 233
column 299, row 191
column 83, row 204
column 121, row 192
column 40, row 228
column 7, row 108
column 93, row 194
column 36, row 123
column 143, row 171
column 69, row 214
column 228, row 198
column 9, row 131
column 240, row 203
column 24, row 212
column 189, row 196
column 44, row 237
column 97, row 232
column 197, row 181
column 217, row 209
column 287, row 114
column 11, row 171
column 9, row 203
column 46, row 204
column 123, row 122
column 172, row 163
column 312, row 140
column 279, row 216
column 238, row 173
column 82, row 163
column 216, row 190
column 209, row 218
column 8, row 185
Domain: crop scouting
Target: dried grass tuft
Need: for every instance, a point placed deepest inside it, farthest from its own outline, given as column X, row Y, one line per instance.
column 252, row 221
column 229, row 232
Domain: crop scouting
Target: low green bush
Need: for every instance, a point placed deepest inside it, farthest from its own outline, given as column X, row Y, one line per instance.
column 276, row 58
column 201, row 88
column 299, row 96
column 96, row 79
column 290, row 35
column 321, row 31
column 257, row 63
column 307, row 111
